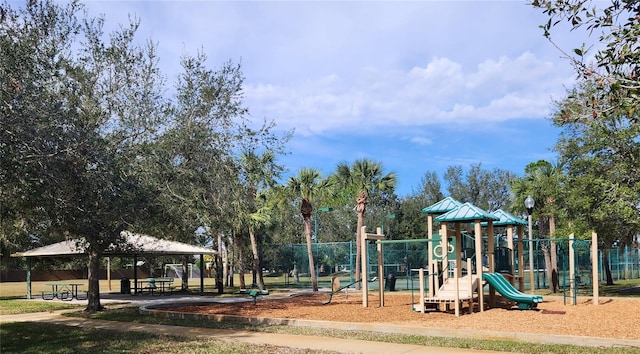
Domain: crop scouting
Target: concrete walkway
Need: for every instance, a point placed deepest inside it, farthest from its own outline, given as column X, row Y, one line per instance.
column 258, row 338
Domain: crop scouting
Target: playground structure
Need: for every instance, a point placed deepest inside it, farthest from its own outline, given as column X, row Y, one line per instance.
column 462, row 255
column 456, row 213
column 459, row 288
column 450, row 285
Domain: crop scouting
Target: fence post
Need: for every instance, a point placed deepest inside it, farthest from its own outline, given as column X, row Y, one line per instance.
column 572, row 270
column 594, row 268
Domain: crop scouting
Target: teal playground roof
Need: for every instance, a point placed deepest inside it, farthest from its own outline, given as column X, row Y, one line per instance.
column 507, row 219
column 443, row 206
column 467, row 212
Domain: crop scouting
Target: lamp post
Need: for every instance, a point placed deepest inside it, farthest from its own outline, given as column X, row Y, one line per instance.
column 388, row 216
column 315, row 231
column 529, row 204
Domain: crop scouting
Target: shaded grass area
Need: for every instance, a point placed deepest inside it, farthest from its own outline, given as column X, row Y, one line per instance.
column 13, row 307
column 132, row 315
column 630, row 288
column 32, row 337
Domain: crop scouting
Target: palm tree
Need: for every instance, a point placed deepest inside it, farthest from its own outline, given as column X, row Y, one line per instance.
column 308, row 187
column 543, row 181
column 363, row 179
column 257, row 221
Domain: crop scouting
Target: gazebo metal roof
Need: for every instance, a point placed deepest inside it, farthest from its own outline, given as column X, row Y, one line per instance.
column 443, row 206
column 467, row 212
column 137, row 244
column 507, row 219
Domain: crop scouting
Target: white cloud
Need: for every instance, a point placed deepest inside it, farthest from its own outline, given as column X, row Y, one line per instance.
column 415, row 74
column 421, row 140
column 442, row 91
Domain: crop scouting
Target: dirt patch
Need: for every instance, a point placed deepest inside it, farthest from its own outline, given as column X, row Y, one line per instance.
column 613, row 318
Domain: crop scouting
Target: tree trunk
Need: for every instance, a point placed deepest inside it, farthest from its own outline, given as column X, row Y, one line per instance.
column 607, row 268
column 257, row 270
column 241, row 269
column 93, row 293
column 359, row 249
column 227, row 262
column 185, row 273
column 312, row 268
column 545, row 245
column 231, row 262
column 219, row 266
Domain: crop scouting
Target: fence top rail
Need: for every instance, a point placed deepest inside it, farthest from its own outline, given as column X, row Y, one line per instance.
column 418, row 240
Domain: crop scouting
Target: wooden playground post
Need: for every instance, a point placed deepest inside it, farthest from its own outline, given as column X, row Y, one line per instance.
column 594, row 268
column 364, row 265
column 469, row 275
column 510, row 248
column 444, row 243
column 380, row 269
column 421, row 280
column 457, row 287
column 490, row 259
column 429, row 237
column 478, row 244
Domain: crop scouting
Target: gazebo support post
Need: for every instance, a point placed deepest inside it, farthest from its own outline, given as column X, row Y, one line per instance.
column 135, row 274
column 28, row 278
column 201, row 274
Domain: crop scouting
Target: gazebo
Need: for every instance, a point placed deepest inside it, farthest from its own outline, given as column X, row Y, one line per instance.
column 135, row 245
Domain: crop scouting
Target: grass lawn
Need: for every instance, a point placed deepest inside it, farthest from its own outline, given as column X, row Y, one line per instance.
column 629, row 287
column 44, row 337
column 14, row 307
column 49, row 338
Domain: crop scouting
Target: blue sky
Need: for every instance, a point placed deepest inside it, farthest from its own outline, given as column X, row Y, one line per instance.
column 418, row 86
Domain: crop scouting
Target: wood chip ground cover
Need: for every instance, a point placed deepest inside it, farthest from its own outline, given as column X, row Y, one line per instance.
column 612, row 318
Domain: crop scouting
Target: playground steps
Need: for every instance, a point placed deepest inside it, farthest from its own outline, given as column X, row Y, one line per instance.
column 447, row 292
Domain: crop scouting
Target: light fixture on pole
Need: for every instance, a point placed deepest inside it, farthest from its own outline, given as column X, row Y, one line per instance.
column 529, row 203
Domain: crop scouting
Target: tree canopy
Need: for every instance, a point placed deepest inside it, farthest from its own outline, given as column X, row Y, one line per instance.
column 91, row 143
column 599, row 146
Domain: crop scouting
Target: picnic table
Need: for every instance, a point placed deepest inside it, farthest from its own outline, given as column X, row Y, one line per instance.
column 160, row 286
column 62, row 291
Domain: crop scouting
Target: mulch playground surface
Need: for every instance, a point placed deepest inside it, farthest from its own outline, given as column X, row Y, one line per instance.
column 612, row 318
